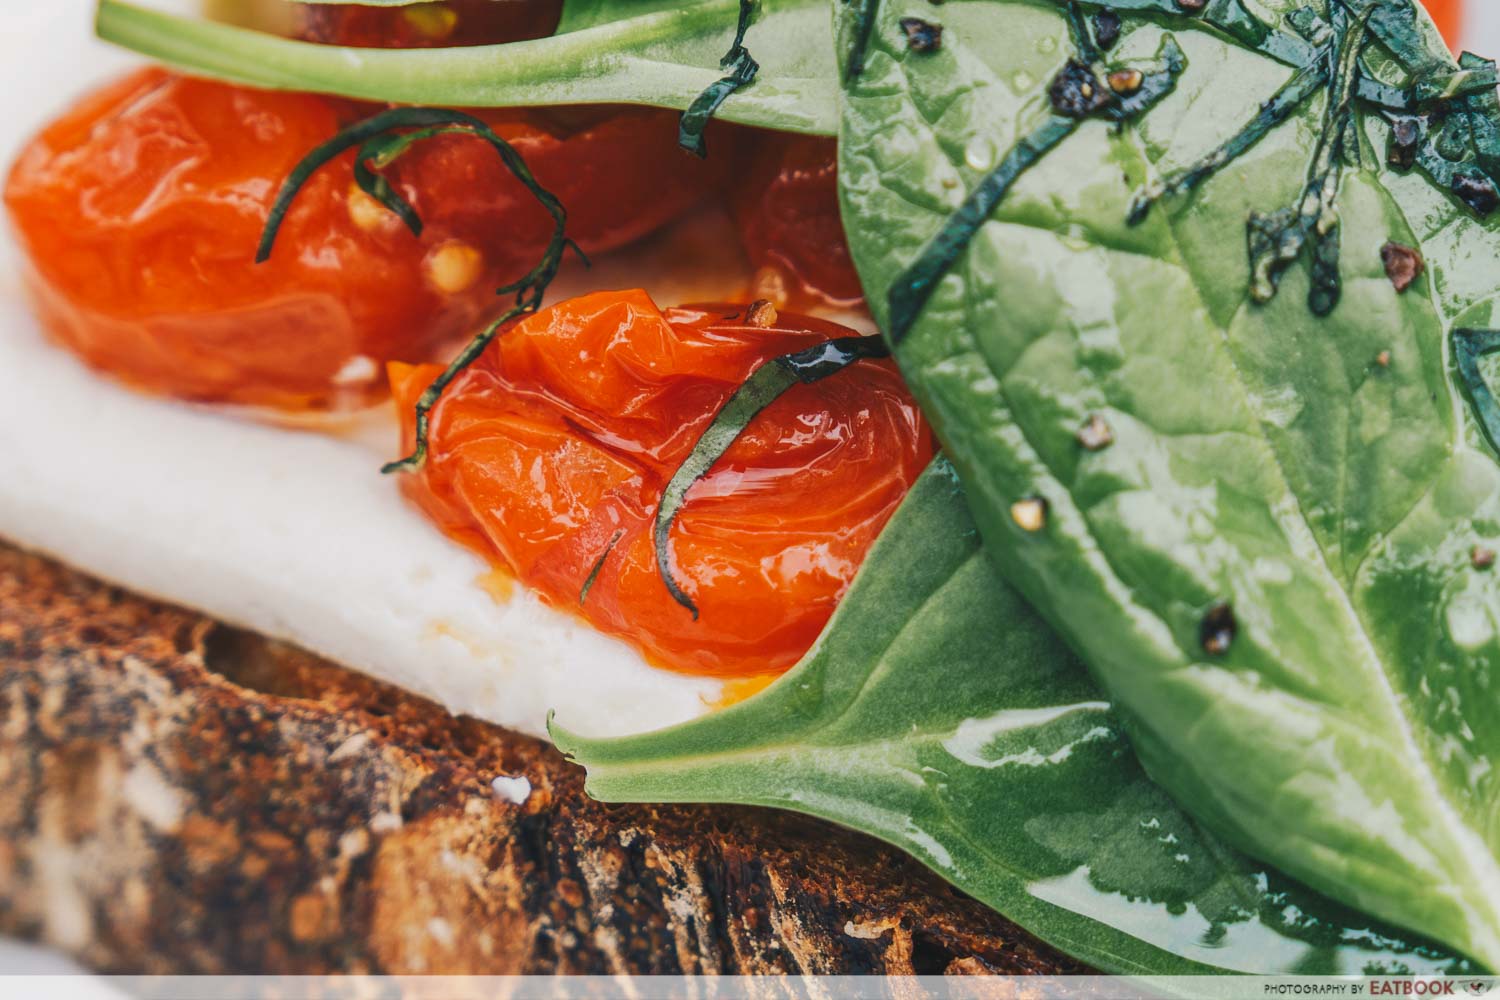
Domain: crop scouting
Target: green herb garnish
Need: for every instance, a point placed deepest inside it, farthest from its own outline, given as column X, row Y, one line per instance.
column 742, row 69
column 598, row 567
column 1077, row 93
column 1468, row 347
column 862, row 27
column 764, row 386
column 379, row 146
column 1464, row 157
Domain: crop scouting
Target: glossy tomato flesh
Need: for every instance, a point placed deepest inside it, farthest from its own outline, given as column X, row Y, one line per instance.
column 786, row 205
column 141, row 209
column 560, row 440
column 1449, row 17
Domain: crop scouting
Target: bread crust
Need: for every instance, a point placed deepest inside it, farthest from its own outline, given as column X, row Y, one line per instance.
column 177, row 796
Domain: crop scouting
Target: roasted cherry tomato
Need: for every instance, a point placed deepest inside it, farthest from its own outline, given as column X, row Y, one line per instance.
column 429, row 25
column 1449, row 17
column 141, row 210
column 787, row 208
column 550, row 455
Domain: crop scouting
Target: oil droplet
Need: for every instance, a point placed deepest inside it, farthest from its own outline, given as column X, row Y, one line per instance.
column 499, row 584
column 1047, row 45
column 1022, row 80
column 979, row 154
column 737, row 689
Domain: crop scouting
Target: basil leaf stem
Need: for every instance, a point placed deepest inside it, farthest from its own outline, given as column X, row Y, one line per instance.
column 642, row 53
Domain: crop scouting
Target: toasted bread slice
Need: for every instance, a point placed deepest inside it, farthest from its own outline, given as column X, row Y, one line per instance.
column 177, row 796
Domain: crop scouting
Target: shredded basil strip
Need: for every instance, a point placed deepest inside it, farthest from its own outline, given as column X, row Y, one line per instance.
column 909, row 295
column 1468, row 347
column 598, row 567
column 378, row 148
column 864, row 30
column 742, row 69
column 1281, row 106
column 1458, row 145
column 764, row 386
column 380, row 152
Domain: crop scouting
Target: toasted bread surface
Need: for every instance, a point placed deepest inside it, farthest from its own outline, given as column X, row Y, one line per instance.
column 177, row 796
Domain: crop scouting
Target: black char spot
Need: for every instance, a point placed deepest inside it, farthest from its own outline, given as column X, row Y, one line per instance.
column 922, row 36
column 1217, row 630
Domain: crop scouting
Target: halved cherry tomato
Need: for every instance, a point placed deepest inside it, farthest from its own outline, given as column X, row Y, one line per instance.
column 141, row 210
column 1449, row 17
column 429, row 25
column 551, row 454
column 787, row 208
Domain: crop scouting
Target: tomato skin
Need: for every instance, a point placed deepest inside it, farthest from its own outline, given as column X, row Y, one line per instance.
column 786, row 206
column 430, row 25
column 141, row 210
column 1449, row 17
column 562, row 437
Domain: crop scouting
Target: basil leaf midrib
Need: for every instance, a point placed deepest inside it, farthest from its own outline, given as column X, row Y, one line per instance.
column 998, row 420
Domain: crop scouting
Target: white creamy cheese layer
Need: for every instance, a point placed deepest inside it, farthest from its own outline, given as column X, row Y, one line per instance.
column 292, row 533
column 295, row 534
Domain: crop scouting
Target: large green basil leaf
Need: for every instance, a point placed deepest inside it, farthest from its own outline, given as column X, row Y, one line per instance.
column 938, row 713
column 577, row 14
column 620, row 53
column 1319, row 478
